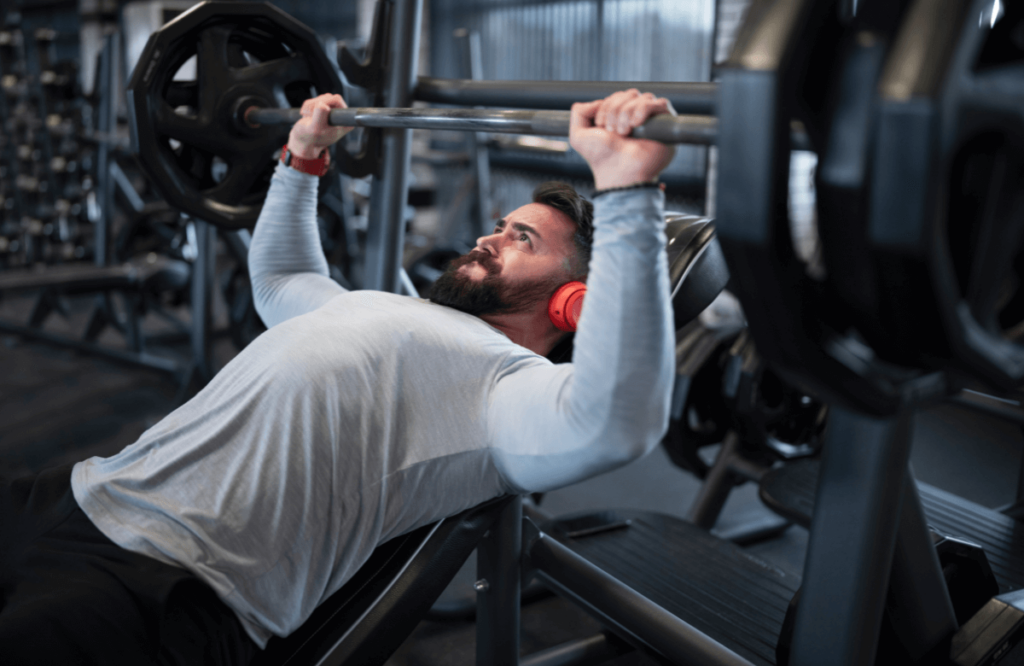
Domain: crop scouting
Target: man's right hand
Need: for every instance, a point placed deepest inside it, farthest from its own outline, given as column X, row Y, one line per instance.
column 311, row 134
column 599, row 132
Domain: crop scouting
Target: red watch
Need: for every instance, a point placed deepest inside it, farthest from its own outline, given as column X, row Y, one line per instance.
column 317, row 167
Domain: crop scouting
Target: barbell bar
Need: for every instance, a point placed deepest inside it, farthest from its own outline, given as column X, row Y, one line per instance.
column 688, row 129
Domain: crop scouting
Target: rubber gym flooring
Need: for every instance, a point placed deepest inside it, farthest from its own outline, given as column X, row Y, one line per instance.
column 58, row 405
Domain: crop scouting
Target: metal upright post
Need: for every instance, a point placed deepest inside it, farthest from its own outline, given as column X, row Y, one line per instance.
column 389, row 193
column 919, row 605
column 852, row 539
column 498, row 582
column 201, row 293
column 478, row 151
column 107, row 127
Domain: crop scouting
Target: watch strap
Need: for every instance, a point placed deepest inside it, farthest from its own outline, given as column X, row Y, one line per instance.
column 315, row 167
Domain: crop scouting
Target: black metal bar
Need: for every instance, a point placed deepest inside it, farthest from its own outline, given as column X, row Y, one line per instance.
column 919, row 606
column 106, row 125
column 478, row 150
column 497, row 586
column 1003, row 408
column 623, row 609
column 596, row 649
column 690, row 98
column 852, row 539
column 144, row 359
column 201, row 295
column 388, row 195
column 717, row 486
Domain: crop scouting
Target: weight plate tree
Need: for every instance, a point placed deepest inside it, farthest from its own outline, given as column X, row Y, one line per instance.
column 189, row 135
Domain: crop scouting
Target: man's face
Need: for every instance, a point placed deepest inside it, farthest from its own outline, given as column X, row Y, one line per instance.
column 527, row 257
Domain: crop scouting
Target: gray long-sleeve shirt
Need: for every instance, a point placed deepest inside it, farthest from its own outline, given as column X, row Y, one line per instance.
column 359, row 416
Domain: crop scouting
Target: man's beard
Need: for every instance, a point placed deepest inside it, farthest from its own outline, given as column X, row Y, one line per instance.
column 491, row 295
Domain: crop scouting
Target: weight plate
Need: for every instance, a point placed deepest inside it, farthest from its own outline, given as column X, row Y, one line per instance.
column 187, row 133
column 979, row 266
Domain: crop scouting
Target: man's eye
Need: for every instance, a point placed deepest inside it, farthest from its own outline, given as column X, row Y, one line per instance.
column 524, row 238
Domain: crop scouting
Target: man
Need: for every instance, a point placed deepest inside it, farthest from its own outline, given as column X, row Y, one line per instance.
column 356, row 417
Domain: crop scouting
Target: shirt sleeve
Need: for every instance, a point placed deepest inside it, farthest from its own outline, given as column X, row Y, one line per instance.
column 286, row 263
column 555, row 425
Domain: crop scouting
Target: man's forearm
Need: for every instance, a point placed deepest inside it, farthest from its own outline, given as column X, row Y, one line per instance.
column 625, row 335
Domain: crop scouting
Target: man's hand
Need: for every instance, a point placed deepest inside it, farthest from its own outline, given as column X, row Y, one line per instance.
column 599, row 131
column 311, row 134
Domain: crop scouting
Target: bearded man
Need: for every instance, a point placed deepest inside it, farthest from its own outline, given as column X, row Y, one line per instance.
column 358, row 416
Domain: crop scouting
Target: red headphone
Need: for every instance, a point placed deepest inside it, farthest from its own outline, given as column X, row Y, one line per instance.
column 565, row 306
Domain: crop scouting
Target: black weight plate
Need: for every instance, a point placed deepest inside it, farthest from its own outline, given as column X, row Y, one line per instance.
column 855, row 336
column 978, row 259
column 187, row 134
column 921, row 194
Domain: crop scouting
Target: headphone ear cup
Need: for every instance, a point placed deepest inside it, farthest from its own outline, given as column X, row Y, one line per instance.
column 565, row 306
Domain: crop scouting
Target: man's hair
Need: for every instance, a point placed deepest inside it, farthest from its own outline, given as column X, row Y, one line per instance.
column 564, row 198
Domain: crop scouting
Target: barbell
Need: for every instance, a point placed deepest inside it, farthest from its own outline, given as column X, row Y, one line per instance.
column 209, row 145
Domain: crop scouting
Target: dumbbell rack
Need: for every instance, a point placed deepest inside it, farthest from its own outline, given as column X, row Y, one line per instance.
column 58, row 159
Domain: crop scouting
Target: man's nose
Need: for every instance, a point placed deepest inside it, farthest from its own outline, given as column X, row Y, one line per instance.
column 489, row 243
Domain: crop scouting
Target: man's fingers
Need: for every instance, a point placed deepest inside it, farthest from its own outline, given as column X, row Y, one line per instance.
column 582, row 114
column 334, row 101
column 638, row 111
column 307, row 108
column 607, row 114
column 327, row 101
column 321, row 113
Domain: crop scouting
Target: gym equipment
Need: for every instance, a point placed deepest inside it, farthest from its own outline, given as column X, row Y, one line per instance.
column 984, row 559
column 699, row 417
column 367, row 619
column 62, row 245
column 767, row 412
column 208, row 144
column 697, row 274
column 877, row 92
column 940, row 227
column 184, row 132
column 725, row 395
column 993, row 634
column 698, row 130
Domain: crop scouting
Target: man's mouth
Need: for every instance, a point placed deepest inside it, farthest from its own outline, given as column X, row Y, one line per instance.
column 483, row 259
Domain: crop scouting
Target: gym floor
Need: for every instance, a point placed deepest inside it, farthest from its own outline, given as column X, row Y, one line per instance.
column 59, row 406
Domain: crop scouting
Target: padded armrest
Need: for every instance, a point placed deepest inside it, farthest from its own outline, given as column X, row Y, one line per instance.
column 368, row 618
column 696, row 268
column 696, row 265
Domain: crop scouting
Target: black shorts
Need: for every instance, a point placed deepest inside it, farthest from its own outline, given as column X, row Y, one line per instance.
column 69, row 595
